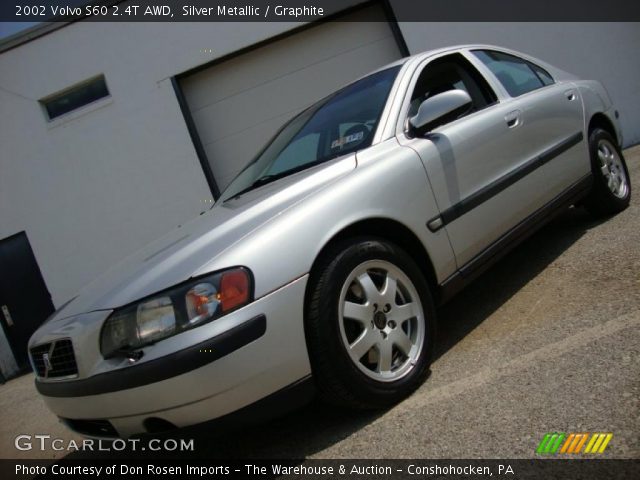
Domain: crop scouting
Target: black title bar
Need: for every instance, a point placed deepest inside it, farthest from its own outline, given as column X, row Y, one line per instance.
column 310, row 10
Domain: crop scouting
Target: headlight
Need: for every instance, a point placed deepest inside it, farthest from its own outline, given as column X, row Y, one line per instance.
column 172, row 311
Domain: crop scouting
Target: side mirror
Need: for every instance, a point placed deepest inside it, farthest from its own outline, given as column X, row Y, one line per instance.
column 440, row 109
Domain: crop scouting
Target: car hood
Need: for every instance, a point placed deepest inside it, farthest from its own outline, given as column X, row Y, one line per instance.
column 174, row 257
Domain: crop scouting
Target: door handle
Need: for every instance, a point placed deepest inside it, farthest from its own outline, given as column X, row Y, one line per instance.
column 570, row 94
column 513, row 119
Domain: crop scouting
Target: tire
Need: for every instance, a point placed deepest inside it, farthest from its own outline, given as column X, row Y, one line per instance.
column 611, row 190
column 350, row 306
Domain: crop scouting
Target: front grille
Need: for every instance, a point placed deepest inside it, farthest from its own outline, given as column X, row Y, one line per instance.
column 55, row 359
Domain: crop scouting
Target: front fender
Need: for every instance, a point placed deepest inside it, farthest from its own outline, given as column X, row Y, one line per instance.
column 389, row 182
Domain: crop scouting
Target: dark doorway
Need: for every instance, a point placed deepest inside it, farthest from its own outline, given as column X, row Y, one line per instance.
column 25, row 301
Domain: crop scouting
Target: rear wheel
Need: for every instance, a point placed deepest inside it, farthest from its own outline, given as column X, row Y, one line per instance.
column 370, row 324
column 612, row 189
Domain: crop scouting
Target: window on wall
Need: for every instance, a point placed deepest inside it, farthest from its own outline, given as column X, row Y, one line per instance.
column 75, row 97
column 516, row 75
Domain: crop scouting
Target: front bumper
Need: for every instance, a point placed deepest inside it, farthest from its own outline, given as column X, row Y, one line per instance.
column 263, row 352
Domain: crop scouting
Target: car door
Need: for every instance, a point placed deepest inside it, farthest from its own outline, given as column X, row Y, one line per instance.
column 473, row 162
column 552, row 118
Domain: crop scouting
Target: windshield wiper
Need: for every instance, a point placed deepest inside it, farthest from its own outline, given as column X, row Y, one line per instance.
column 260, row 182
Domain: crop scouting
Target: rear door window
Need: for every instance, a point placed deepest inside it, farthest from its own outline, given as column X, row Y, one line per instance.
column 515, row 74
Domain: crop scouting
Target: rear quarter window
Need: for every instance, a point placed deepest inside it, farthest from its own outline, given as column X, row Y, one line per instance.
column 543, row 75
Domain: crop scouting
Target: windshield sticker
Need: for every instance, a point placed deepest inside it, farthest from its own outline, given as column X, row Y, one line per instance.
column 349, row 139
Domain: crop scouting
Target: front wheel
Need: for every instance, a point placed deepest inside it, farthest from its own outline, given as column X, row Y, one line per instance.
column 611, row 191
column 370, row 324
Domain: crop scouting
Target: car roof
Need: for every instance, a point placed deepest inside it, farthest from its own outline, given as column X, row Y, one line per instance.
column 555, row 71
column 453, row 48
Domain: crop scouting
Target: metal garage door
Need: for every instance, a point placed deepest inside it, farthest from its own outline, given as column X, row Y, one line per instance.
column 237, row 105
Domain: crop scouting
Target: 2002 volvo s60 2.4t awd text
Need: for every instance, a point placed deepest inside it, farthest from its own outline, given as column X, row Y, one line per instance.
column 322, row 262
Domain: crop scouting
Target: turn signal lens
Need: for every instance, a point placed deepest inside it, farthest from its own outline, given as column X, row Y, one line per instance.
column 234, row 289
column 202, row 303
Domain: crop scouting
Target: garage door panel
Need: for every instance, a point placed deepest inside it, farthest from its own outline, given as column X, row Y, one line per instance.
column 236, row 152
column 279, row 58
column 254, row 107
column 239, row 104
column 241, row 77
column 254, row 135
column 286, row 95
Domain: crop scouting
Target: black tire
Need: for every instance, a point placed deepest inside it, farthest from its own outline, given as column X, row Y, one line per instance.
column 601, row 201
column 339, row 380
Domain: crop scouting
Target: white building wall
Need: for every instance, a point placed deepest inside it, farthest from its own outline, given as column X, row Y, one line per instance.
column 607, row 52
column 90, row 190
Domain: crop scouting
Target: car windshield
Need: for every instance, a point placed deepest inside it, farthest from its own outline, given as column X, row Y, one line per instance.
column 341, row 123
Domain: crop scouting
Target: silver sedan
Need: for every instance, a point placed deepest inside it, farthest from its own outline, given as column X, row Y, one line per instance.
column 321, row 265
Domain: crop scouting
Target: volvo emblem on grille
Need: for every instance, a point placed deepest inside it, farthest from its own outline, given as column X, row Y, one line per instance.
column 46, row 359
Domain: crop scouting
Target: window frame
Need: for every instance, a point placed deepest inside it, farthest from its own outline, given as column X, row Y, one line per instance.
column 403, row 118
column 530, row 64
column 535, row 66
column 79, row 109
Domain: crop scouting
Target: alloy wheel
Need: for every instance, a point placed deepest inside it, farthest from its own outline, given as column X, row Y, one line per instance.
column 382, row 321
column 612, row 169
